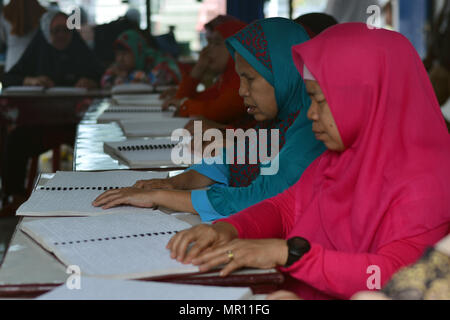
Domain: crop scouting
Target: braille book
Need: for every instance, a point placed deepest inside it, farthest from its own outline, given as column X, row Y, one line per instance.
column 110, row 289
column 118, row 245
column 146, row 153
column 117, row 113
column 72, row 193
column 152, row 128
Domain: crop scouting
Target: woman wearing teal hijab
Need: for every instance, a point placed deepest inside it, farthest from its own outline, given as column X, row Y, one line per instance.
column 276, row 96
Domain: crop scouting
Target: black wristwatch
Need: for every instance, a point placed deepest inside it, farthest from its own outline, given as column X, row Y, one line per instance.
column 297, row 248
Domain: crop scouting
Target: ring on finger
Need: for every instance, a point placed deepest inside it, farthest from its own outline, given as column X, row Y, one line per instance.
column 230, row 255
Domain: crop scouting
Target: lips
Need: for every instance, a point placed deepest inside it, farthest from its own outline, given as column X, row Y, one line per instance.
column 251, row 109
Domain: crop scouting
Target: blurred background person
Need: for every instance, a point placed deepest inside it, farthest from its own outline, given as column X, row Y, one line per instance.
column 56, row 56
column 136, row 62
column 220, row 102
column 19, row 23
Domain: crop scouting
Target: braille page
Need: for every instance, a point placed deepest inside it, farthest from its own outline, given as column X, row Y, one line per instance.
column 23, row 90
column 145, row 153
column 124, row 246
column 131, row 88
column 118, row 178
column 152, row 128
column 66, row 90
column 72, row 193
column 107, row 289
column 133, row 113
column 138, row 100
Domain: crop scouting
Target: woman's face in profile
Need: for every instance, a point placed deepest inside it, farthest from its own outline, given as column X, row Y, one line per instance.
column 60, row 35
column 324, row 126
column 218, row 53
column 258, row 94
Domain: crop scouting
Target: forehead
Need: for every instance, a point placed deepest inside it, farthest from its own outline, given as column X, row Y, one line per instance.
column 242, row 66
column 216, row 36
column 312, row 87
column 58, row 20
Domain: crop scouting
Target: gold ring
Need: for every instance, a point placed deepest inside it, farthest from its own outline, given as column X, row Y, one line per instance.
column 230, row 255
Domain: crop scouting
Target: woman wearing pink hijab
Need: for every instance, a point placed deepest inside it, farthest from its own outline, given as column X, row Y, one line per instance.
column 374, row 201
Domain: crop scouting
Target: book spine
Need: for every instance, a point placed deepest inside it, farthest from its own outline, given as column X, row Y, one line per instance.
column 146, row 147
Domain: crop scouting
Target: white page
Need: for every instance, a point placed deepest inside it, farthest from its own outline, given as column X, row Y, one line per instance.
column 115, row 113
column 123, row 246
column 53, row 203
column 137, row 100
column 66, row 90
column 103, row 289
column 76, row 193
column 117, row 178
column 143, row 158
column 23, row 89
column 152, row 128
column 131, row 88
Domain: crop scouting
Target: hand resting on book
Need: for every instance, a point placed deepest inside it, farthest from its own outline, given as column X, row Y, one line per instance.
column 213, row 246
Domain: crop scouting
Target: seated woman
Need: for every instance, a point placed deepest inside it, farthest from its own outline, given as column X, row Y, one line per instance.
column 374, row 201
column 276, row 97
column 136, row 62
column 56, row 56
column 220, row 102
column 313, row 23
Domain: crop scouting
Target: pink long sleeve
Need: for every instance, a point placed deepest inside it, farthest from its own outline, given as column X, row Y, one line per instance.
column 340, row 275
column 272, row 218
column 325, row 273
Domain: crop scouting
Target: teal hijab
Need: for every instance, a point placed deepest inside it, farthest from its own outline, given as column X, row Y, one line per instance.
column 266, row 46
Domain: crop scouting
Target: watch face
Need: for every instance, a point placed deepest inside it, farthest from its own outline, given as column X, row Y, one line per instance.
column 298, row 247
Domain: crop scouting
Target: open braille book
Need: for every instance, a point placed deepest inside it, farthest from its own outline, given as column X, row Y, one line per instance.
column 72, row 193
column 148, row 153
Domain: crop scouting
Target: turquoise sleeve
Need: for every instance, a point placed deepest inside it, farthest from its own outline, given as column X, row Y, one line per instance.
column 203, row 206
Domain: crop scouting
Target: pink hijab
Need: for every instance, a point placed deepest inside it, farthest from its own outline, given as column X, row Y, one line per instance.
column 393, row 180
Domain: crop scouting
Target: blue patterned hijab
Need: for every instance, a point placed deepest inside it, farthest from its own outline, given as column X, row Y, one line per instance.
column 266, row 46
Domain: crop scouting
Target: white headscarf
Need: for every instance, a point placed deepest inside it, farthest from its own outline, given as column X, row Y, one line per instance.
column 46, row 21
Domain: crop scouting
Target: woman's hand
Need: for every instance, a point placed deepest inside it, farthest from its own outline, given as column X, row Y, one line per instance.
column 172, row 102
column 126, row 196
column 43, row 81
column 86, row 83
column 203, row 237
column 168, row 94
column 154, row 184
column 261, row 254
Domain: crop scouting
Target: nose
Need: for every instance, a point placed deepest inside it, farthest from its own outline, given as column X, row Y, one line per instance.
column 312, row 114
column 243, row 89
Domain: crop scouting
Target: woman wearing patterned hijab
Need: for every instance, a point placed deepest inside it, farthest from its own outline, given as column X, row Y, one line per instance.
column 374, row 201
column 275, row 96
column 136, row 62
